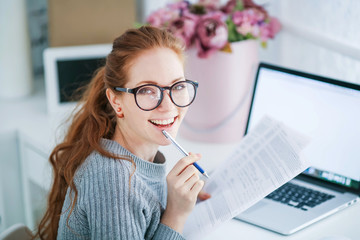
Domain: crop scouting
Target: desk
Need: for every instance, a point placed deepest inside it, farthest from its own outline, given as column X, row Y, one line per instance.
column 344, row 223
column 36, row 130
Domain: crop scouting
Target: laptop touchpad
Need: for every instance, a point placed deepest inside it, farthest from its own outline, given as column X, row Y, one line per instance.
column 255, row 207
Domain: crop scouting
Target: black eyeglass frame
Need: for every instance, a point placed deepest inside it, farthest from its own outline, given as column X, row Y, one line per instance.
column 162, row 89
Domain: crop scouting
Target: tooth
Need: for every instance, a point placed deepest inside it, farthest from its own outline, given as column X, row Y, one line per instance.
column 163, row 122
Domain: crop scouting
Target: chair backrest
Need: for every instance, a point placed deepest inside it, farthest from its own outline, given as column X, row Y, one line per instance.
column 16, row 232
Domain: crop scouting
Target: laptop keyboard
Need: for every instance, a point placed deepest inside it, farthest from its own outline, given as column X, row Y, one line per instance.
column 299, row 197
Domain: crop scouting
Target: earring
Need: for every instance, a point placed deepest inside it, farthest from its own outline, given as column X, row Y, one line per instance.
column 118, row 114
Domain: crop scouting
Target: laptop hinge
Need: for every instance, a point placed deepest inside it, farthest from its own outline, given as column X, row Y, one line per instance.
column 328, row 185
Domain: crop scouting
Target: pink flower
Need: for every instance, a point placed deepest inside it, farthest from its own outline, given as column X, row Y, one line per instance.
column 268, row 30
column 181, row 5
column 211, row 5
column 229, row 6
column 251, row 4
column 251, row 16
column 161, row 17
column 211, row 34
column 245, row 28
column 184, row 28
column 274, row 26
column 248, row 21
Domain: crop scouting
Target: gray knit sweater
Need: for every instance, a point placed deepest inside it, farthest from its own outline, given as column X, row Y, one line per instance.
column 109, row 206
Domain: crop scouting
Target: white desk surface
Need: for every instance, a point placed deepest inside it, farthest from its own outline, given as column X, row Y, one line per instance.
column 28, row 116
column 345, row 223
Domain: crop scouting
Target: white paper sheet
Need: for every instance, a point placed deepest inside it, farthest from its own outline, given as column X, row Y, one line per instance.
column 266, row 158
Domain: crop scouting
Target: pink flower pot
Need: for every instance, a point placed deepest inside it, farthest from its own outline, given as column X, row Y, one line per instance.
column 220, row 110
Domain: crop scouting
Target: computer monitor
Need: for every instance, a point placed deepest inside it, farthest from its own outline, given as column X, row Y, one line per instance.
column 69, row 68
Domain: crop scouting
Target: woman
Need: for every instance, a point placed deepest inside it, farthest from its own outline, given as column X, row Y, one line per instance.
column 109, row 178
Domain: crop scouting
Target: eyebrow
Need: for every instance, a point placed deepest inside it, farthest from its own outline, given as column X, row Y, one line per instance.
column 153, row 82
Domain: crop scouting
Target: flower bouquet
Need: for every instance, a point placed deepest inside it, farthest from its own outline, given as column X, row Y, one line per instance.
column 210, row 26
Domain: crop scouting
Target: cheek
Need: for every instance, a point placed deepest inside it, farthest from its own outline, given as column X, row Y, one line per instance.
column 182, row 112
column 129, row 106
column 136, row 115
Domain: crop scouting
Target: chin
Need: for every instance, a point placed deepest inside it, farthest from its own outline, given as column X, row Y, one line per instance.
column 165, row 143
column 172, row 129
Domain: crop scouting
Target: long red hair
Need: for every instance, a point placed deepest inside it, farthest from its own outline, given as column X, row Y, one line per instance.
column 96, row 119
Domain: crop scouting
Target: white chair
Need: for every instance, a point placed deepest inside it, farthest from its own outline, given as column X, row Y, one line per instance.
column 16, row 232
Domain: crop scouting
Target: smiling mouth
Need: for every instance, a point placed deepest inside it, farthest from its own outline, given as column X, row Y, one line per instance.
column 163, row 123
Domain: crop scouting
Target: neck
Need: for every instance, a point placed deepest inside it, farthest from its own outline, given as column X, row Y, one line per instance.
column 139, row 149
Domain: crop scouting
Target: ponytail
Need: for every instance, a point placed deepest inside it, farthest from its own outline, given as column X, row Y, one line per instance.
column 94, row 120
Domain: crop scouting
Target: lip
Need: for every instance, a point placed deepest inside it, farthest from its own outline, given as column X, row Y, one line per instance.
column 164, row 127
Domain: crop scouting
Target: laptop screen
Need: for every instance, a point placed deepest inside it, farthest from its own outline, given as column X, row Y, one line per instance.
column 325, row 110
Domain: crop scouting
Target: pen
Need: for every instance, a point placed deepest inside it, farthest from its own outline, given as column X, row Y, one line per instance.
column 167, row 135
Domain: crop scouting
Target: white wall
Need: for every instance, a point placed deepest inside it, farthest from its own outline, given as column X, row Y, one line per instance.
column 320, row 37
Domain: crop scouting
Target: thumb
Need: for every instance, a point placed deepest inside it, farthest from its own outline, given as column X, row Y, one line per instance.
column 203, row 195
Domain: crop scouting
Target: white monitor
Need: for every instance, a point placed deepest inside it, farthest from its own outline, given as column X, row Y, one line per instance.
column 68, row 68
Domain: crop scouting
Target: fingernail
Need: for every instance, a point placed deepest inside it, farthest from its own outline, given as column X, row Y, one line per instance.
column 197, row 155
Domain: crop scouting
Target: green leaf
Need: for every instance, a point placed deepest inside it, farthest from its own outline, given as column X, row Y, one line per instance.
column 139, row 24
column 233, row 34
column 239, row 6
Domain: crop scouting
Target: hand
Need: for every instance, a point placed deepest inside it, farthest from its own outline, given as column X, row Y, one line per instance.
column 184, row 186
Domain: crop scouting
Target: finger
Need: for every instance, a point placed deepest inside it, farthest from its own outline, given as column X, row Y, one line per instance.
column 197, row 186
column 203, row 195
column 191, row 181
column 187, row 173
column 197, row 154
column 183, row 163
column 197, row 157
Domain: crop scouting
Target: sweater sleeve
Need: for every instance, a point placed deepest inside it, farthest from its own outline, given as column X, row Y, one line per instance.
column 117, row 208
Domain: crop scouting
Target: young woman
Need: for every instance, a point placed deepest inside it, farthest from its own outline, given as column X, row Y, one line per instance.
column 109, row 178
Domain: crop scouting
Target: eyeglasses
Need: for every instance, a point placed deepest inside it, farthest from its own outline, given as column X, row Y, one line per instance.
column 149, row 96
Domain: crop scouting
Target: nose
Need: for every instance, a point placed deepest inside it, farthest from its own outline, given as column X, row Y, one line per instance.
column 166, row 102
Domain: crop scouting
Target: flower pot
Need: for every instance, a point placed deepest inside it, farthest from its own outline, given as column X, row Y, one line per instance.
column 220, row 110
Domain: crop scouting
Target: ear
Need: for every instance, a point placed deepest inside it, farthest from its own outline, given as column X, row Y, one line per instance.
column 115, row 102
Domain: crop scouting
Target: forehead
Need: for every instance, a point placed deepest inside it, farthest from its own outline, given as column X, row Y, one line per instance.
column 158, row 65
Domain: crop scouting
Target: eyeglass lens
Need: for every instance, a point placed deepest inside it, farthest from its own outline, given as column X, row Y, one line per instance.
column 149, row 97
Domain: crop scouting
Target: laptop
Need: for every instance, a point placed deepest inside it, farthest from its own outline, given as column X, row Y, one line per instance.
column 328, row 112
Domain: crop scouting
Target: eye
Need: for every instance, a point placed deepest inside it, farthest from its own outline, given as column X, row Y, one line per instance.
column 147, row 91
column 179, row 87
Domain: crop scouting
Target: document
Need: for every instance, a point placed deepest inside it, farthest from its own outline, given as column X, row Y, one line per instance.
column 266, row 158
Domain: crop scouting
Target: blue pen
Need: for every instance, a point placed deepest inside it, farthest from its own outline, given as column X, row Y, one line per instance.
column 184, row 152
